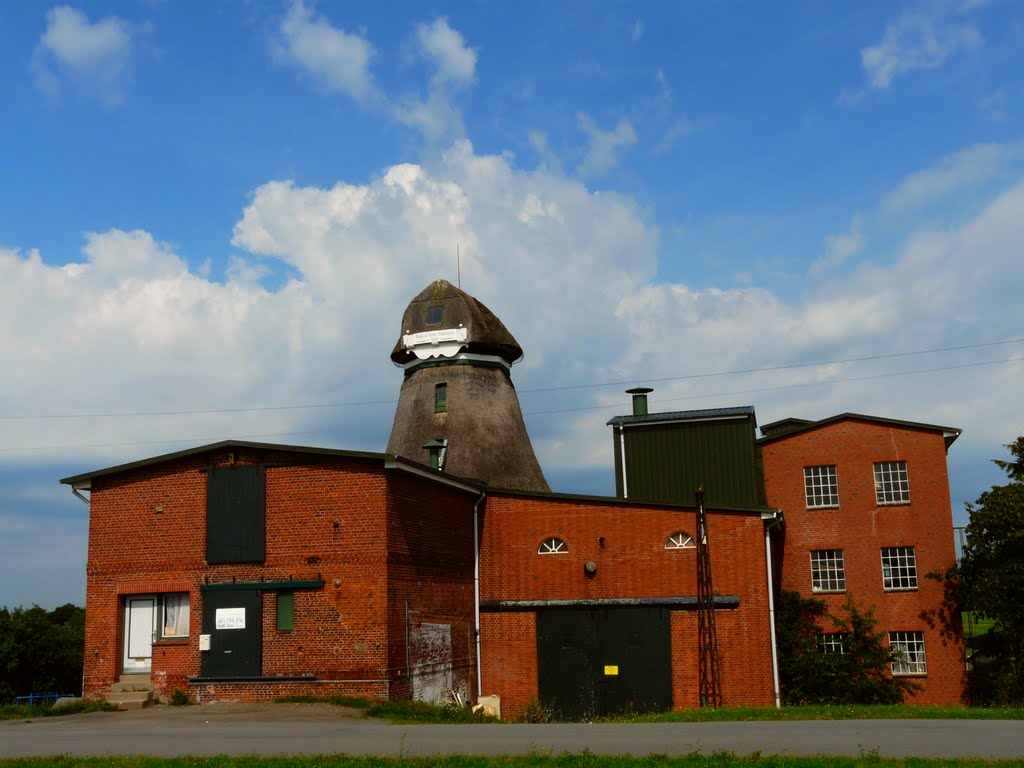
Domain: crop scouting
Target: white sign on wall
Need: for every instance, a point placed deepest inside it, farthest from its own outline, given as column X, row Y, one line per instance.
column 231, row 618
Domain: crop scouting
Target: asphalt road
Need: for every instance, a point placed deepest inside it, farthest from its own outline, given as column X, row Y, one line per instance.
column 294, row 729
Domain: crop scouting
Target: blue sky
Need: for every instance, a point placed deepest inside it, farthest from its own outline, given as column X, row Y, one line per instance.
column 213, row 207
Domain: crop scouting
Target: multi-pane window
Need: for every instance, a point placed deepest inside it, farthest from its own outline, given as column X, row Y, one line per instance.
column 891, row 483
column 552, row 546
column 828, row 572
column 908, row 648
column 899, row 568
column 821, row 486
column 831, row 642
column 680, row 540
column 174, row 615
column 440, row 398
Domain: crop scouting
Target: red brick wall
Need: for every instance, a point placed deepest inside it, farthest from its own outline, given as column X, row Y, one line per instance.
column 631, row 562
column 325, row 518
column 860, row 527
column 430, row 579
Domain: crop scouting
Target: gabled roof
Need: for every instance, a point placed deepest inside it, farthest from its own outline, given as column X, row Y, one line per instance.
column 704, row 414
column 84, row 480
column 778, row 430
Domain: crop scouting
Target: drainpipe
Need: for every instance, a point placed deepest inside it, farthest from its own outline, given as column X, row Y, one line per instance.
column 476, row 588
column 622, row 455
column 771, row 606
column 78, row 493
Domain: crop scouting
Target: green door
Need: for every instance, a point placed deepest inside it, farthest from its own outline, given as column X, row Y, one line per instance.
column 234, row 621
column 602, row 661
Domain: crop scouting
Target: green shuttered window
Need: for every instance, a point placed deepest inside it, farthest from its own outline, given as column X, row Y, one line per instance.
column 285, row 611
column 236, row 514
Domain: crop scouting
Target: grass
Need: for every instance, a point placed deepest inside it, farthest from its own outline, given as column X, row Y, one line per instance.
column 578, row 760
column 25, row 712
column 981, row 626
column 847, row 712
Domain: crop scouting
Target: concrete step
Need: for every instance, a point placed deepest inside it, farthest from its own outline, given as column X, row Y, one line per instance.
column 130, row 699
column 123, row 687
column 136, row 677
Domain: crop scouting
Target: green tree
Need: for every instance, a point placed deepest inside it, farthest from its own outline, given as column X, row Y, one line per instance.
column 810, row 675
column 41, row 650
column 989, row 580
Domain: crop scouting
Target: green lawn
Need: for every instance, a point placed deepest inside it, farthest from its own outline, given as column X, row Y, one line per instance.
column 22, row 712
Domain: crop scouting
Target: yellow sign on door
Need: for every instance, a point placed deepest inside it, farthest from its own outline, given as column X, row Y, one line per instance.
column 611, row 669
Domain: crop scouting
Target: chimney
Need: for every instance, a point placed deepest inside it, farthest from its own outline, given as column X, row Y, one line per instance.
column 435, row 447
column 639, row 399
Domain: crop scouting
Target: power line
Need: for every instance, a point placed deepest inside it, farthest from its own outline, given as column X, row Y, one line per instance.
column 541, row 413
column 569, row 387
column 788, row 386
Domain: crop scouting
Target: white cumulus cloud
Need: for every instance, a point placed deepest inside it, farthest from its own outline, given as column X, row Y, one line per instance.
column 915, row 41
column 92, row 56
column 602, row 151
column 337, row 60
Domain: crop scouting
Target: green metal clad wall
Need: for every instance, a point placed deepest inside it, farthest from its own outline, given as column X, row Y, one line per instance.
column 666, row 462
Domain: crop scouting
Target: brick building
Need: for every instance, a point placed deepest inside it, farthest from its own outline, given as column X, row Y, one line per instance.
column 866, row 503
column 249, row 571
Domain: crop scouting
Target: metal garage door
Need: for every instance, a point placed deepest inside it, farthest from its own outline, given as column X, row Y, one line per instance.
column 601, row 661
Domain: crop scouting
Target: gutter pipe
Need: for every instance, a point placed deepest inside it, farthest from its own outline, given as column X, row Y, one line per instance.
column 476, row 588
column 771, row 606
column 622, row 455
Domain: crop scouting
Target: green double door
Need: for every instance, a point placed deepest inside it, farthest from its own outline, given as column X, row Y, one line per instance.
column 602, row 661
column 234, row 621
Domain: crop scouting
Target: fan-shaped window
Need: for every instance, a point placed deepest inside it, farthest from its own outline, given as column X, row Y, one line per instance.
column 552, row 546
column 680, row 540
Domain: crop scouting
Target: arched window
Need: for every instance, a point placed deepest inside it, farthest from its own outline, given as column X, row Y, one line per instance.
column 680, row 540
column 552, row 546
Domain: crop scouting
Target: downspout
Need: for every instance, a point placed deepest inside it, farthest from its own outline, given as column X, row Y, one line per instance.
column 476, row 588
column 78, row 493
column 771, row 608
column 622, row 455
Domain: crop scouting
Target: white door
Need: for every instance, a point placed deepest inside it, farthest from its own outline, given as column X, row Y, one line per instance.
column 139, row 623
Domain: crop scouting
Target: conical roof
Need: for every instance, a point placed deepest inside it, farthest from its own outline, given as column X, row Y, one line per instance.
column 442, row 306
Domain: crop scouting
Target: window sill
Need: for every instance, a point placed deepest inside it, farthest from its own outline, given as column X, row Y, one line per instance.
column 892, row 503
column 171, row 641
column 822, row 506
column 889, row 590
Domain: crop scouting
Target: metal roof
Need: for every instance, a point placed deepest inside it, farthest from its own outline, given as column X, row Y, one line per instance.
column 78, row 480
column 697, row 415
column 950, row 433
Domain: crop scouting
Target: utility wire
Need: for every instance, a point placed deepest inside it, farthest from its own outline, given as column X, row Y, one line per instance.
column 790, row 386
column 569, row 387
column 541, row 413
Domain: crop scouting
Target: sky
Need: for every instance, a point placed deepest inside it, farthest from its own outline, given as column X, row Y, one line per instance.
column 213, row 214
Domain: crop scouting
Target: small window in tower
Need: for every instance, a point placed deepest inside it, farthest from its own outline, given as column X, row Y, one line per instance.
column 440, row 398
column 435, row 314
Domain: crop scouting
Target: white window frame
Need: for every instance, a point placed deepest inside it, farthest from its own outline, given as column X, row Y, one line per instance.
column 910, row 655
column 680, row 540
column 175, row 626
column 831, row 642
column 899, row 569
column 828, row 570
column 892, row 483
column 553, row 545
column 821, row 486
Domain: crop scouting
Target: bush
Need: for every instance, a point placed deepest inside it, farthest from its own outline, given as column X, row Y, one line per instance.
column 858, row 675
column 178, row 698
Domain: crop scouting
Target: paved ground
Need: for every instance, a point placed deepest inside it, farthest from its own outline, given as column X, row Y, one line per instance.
column 291, row 729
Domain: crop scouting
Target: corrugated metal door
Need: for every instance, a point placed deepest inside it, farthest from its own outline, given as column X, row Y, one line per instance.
column 234, row 621
column 602, row 661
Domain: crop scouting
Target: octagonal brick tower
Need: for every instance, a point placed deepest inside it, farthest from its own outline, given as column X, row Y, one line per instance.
column 458, row 390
